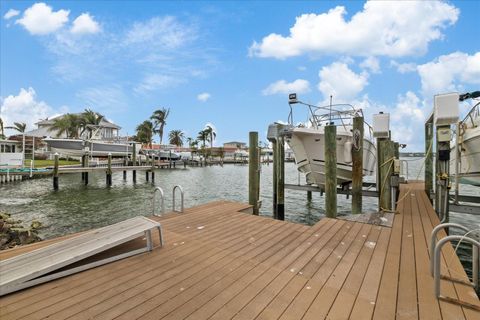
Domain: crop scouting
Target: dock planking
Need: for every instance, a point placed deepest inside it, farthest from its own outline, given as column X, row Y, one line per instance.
column 222, row 263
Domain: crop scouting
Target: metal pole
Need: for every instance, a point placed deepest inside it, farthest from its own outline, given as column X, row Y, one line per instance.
column 330, row 146
column 253, row 172
column 357, row 163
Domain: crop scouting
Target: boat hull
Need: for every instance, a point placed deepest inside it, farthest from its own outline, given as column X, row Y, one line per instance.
column 470, row 157
column 78, row 148
column 308, row 147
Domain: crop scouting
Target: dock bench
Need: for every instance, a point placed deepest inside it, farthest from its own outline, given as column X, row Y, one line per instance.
column 39, row 266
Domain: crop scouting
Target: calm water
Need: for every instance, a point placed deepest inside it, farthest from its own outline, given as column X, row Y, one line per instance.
column 75, row 207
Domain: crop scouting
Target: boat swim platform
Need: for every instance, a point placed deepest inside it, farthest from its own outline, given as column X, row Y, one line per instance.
column 219, row 262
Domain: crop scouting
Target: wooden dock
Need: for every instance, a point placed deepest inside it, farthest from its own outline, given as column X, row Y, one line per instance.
column 222, row 263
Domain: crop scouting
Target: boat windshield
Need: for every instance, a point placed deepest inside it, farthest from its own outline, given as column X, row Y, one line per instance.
column 472, row 118
column 338, row 114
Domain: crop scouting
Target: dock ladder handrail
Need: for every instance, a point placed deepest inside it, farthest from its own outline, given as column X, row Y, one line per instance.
column 181, row 198
column 435, row 250
column 436, row 258
column 162, row 198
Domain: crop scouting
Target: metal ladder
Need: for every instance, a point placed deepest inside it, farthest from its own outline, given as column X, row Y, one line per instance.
column 162, row 199
column 435, row 260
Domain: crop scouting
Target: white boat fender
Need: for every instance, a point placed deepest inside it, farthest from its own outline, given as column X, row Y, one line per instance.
column 347, row 151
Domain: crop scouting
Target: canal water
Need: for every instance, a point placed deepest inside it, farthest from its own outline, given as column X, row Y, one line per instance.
column 76, row 207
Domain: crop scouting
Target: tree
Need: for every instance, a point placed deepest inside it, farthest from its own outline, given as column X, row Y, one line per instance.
column 211, row 134
column 144, row 132
column 159, row 118
column 2, row 132
column 69, row 124
column 203, row 137
column 176, row 137
column 17, row 126
column 88, row 120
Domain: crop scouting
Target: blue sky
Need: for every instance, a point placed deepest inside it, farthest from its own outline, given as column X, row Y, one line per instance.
column 232, row 64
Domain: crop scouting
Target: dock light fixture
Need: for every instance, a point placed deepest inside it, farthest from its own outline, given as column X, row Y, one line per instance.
column 292, row 98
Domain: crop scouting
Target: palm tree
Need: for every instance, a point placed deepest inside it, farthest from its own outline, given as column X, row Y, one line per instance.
column 211, row 134
column 2, row 132
column 145, row 132
column 176, row 137
column 17, row 126
column 69, row 124
column 203, row 137
column 88, row 119
column 159, row 118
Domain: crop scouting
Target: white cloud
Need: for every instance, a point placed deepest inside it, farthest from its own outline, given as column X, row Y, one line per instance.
column 84, row 23
column 301, row 68
column 155, row 82
column 23, row 107
column 203, row 96
column 340, row 81
column 166, row 32
column 108, row 99
column 371, row 64
column 407, row 121
column 391, row 28
column 449, row 73
column 283, row 87
column 39, row 19
column 404, row 67
column 11, row 13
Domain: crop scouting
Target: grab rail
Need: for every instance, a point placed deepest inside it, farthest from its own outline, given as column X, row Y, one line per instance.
column 181, row 198
column 433, row 237
column 162, row 197
column 436, row 258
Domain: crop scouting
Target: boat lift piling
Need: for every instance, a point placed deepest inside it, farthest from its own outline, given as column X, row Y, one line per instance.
column 357, row 164
column 134, row 160
column 330, row 170
column 109, row 170
column 253, row 173
column 55, row 172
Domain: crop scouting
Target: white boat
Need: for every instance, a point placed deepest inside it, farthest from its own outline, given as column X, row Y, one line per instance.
column 307, row 143
column 469, row 141
column 96, row 148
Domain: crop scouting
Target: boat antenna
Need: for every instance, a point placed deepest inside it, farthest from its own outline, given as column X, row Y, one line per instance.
column 330, row 115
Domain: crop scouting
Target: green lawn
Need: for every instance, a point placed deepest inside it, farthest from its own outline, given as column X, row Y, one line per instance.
column 46, row 163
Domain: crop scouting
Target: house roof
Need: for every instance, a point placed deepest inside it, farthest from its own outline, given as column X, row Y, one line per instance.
column 235, row 142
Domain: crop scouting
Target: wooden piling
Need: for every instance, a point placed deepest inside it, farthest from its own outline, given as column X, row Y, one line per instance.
column 385, row 162
column 253, row 172
column 55, row 172
column 134, row 161
column 309, row 196
column 429, row 159
column 330, row 146
column 109, row 170
column 83, row 166
column 357, row 163
column 281, row 178
column 274, row 176
column 124, row 174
